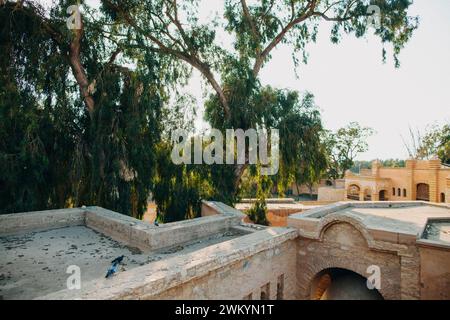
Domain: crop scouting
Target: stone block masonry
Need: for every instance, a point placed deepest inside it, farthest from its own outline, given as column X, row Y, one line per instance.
column 322, row 254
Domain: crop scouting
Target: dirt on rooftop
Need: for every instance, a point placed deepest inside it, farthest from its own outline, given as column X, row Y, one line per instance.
column 35, row 263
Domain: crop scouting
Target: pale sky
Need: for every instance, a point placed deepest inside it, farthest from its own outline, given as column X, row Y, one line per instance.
column 350, row 82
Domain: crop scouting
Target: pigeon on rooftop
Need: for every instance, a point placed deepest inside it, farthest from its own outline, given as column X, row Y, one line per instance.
column 118, row 259
column 112, row 269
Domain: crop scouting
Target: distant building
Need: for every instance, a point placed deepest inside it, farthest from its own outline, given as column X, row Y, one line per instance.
column 426, row 180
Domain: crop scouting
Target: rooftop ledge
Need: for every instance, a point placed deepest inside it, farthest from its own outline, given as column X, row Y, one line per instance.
column 128, row 230
column 154, row 278
column 399, row 222
column 37, row 247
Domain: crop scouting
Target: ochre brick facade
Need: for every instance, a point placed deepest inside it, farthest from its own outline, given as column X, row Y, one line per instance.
column 425, row 180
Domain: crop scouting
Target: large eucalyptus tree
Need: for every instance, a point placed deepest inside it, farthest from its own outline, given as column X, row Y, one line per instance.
column 172, row 27
column 80, row 107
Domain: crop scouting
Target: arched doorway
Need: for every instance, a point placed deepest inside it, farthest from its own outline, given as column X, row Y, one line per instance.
column 442, row 197
column 342, row 284
column 382, row 195
column 353, row 192
column 423, row 192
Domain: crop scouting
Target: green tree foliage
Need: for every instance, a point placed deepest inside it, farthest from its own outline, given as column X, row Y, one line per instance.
column 434, row 142
column 258, row 211
column 302, row 157
column 364, row 164
column 81, row 109
column 59, row 147
column 393, row 163
column 172, row 28
column 179, row 189
column 344, row 145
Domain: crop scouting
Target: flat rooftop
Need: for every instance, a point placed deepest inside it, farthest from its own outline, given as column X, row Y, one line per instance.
column 409, row 220
column 36, row 248
column 389, row 220
column 35, row 263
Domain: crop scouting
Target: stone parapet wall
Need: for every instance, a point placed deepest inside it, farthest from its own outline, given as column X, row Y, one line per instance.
column 128, row 230
column 261, row 257
column 40, row 220
column 269, row 200
column 147, row 237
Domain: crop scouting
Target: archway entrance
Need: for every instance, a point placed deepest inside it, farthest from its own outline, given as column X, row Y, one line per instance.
column 423, row 192
column 353, row 192
column 341, row 284
column 382, row 195
column 442, row 197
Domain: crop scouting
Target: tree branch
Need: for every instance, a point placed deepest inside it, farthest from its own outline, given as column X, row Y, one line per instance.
column 73, row 50
column 78, row 69
column 308, row 12
column 253, row 29
column 189, row 58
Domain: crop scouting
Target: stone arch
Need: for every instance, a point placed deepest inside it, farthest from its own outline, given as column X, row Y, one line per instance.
column 337, row 219
column 333, row 283
column 310, row 277
column 382, row 195
column 359, row 238
column 325, row 252
column 353, row 191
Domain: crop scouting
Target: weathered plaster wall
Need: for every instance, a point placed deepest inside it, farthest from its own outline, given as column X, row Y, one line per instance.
column 245, row 278
column 331, row 194
column 434, row 273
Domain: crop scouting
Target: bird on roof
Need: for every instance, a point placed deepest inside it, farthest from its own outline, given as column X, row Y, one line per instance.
column 112, row 269
column 118, row 259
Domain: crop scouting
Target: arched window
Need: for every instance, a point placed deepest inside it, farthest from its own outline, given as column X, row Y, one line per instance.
column 353, row 192
column 442, row 197
column 399, row 193
column 393, row 191
column 404, row 192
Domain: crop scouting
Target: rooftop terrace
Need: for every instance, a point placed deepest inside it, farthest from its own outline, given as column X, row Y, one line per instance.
column 36, row 248
column 392, row 221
